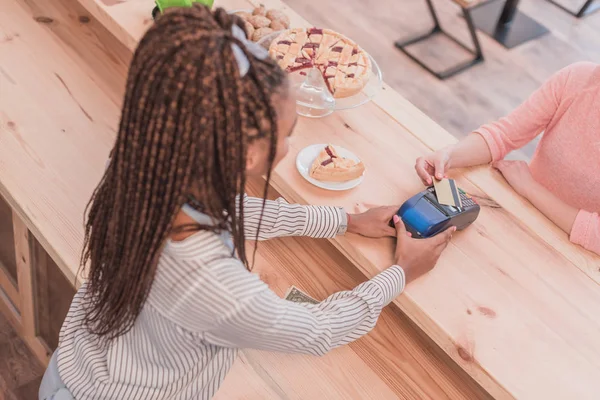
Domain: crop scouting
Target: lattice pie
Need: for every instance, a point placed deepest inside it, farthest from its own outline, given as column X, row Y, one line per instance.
column 329, row 166
column 346, row 68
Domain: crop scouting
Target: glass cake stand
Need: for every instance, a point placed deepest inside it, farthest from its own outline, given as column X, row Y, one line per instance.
column 313, row 98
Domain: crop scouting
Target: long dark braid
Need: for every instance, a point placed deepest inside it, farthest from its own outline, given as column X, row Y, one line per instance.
column 187, row 119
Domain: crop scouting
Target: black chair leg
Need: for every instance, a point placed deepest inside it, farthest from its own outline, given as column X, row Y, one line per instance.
column 437, row 29
column 588, row 8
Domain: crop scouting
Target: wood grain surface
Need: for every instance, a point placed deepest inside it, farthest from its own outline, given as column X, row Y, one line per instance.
column 395, row 361
column 512, row 264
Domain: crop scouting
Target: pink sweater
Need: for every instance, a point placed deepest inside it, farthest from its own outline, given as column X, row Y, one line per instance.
column 567, row 159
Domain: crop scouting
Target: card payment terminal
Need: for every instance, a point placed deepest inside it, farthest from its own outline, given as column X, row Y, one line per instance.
column 424, row 216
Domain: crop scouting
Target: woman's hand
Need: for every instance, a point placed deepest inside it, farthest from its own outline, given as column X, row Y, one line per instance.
column 435, row 164
column 517, row 174
column 373, row 223
column 470, row 151
column 418, row 256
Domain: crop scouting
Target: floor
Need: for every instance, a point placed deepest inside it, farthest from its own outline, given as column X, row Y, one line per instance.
column 20, row 372
column 480, row 94
column 459, row 104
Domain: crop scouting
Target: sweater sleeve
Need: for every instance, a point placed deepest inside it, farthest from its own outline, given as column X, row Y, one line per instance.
column 282, row 219
column 530, row 118
column 586, row 231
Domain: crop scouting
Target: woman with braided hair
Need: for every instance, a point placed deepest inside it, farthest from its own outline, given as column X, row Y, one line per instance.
column 169, row 299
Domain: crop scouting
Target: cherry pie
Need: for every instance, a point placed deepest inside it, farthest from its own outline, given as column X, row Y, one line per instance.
column 346, row 67
column 329, row 166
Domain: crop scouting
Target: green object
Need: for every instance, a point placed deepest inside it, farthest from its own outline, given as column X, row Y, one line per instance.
column 164, row 4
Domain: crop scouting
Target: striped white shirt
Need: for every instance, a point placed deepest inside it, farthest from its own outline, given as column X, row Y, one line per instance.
column 204, row 305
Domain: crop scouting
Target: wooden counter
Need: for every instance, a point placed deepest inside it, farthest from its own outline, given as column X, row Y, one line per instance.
column 56, row 125
column 511, row 301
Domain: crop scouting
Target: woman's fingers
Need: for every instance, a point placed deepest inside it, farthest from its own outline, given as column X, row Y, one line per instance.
column 440, row 169
column 423, row 170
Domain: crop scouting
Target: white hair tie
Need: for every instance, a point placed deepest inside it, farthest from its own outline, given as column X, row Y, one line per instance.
column 253, row 48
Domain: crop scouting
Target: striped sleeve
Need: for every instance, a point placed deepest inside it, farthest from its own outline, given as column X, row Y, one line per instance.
column 266, row 322
column 229, row 306
column 283, row 219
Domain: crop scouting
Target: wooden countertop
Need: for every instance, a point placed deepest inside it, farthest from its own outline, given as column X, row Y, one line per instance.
column 511, row 301
column 74, row 65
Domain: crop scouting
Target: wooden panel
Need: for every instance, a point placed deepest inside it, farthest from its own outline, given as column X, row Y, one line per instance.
column 8, row 289
column 7, row 243
column 27, row 321
column 9, row 277
column 53, row 295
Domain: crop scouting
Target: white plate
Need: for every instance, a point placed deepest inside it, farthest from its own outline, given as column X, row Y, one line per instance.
column 307, row 156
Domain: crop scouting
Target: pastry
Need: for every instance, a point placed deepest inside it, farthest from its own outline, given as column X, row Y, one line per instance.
column 244, row 15
column 277, row 25
column 345, row 67
column 260, row 10
column 263, row 20
column 249, row 29
column 260, row 33
column 329, row 166
column 258, row 21
column 280, row 17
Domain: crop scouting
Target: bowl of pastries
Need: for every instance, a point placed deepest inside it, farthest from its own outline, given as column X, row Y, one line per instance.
column 261, row 22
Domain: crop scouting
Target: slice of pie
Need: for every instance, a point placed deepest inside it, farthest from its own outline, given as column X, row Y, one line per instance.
column 346, row 67
column 329, row 166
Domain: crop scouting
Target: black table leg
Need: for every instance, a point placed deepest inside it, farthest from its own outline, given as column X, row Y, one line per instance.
column 508, row 12
column 505, row 23
column 588, row 8
column 403, row 45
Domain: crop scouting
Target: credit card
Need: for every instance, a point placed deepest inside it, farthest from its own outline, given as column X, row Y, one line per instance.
column 447, row 192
